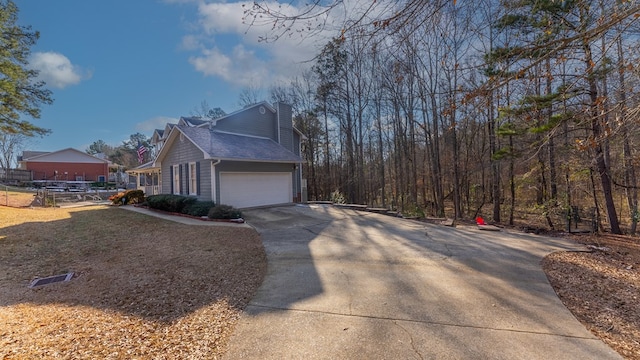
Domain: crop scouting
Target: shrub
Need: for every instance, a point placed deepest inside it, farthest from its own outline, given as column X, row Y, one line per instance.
column 224, row 212
column 102, row 185
column 414, row 211
column 127, row 197
column 134, row 196
column 337, row 197
column 198, row 208
column 170, row 202
column 159, row 202
column 178, row 203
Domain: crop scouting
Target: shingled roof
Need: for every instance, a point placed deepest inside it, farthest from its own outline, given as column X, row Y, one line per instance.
column 228, row 146
column 193, row 121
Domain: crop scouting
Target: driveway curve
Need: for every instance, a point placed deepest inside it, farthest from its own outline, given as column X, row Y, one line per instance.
column 343, row 284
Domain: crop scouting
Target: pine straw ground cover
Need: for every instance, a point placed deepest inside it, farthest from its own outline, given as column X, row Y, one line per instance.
column 602, row 288
column 143, row 287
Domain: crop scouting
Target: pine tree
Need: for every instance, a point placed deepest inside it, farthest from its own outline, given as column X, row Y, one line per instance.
column 20, row 92
column 551, row 30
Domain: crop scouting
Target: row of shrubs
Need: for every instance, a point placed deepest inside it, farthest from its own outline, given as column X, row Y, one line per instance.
column 177, row 204
column 127, row 197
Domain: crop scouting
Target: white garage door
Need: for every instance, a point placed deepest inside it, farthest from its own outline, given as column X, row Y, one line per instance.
column 243, row 190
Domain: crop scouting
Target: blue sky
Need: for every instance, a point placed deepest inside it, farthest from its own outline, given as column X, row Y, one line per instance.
column 124, row 66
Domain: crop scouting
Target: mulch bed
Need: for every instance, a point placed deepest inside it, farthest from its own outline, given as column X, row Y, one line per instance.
column 602, row 288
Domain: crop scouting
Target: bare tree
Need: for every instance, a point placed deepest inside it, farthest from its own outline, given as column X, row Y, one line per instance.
column 10, row 146
column 205, row 111
column 375, row 18
column 249, row 95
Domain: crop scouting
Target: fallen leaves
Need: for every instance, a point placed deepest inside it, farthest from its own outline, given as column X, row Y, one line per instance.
column 601, row 288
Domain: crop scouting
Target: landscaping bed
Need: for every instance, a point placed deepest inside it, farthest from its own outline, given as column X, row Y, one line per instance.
column 602, row 288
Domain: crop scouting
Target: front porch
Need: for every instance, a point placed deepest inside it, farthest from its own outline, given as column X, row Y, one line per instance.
column 148, row 178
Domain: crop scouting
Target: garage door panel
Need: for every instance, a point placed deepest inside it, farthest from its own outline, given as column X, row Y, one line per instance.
column 255, row 189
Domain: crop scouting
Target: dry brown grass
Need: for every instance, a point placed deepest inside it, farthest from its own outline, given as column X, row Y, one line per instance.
column 16, row 198
column 144, row 287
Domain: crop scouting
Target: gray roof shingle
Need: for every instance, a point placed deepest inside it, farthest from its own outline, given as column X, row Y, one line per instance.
column 194, row 121
column 227, row 146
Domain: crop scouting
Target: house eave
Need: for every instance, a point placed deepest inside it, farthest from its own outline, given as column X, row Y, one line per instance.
column 175, row 131
column 255, row 160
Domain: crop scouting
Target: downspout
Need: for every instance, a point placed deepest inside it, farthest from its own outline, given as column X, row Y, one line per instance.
column 300, row 182
column 278, row 121
column 214, row 198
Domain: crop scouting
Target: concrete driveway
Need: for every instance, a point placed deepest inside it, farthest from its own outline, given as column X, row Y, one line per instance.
column 343, row 284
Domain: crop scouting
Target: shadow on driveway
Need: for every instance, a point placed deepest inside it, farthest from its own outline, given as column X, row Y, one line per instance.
column 346, row 285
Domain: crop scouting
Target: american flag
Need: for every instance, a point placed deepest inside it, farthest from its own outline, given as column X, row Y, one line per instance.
column 141, row 150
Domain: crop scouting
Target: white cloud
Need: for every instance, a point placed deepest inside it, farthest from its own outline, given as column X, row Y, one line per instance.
column 249, row 61
column 222, row 18
column 212, row 62
column 190, row 42
column 240, row 67
column 56, row 69
column 158, row 122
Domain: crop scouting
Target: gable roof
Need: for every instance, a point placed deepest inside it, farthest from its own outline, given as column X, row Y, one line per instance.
column 228, row 146
column 262, row 103
column 205, row 123
column 28, row 154
column 167, row 128
column 157, row 134
column 192, row 121
column 69, row 155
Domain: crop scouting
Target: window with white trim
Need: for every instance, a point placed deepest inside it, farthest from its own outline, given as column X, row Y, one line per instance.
column 176, row 179
column 193, row 180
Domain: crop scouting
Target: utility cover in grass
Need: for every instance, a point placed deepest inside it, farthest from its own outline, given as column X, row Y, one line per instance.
column 51, row 279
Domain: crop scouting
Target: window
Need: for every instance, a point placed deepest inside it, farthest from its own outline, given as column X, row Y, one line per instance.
column 102, row 178
column 176, row 179
column 193, row 180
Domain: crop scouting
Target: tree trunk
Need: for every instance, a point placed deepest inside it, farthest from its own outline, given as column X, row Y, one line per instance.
column 495, row 165
column 630, row 180
column 551, row 149
column 598, row 137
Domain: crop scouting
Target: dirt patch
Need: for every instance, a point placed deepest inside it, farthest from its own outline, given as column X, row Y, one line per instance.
column 602, row 288
column 144, row 287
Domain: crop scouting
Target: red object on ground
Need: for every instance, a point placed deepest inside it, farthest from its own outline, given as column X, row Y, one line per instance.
column 480, row 221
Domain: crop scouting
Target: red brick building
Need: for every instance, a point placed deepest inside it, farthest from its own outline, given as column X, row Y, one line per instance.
column 64, row 165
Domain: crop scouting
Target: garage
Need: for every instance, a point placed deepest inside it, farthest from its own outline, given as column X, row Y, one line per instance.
column 242, row 190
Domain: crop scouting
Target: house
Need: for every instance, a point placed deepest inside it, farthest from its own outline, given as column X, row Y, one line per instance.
column 64, row 165
column 245, row 159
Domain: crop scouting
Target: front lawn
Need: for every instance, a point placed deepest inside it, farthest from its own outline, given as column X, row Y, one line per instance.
column 143, row 287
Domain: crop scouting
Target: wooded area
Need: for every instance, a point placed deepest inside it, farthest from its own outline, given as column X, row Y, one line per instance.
column 499, row 109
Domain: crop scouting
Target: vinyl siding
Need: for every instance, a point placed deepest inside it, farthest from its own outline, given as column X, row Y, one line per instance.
column 296, row 144
column 285, row 124
column 251, row 122
column 182, row 153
